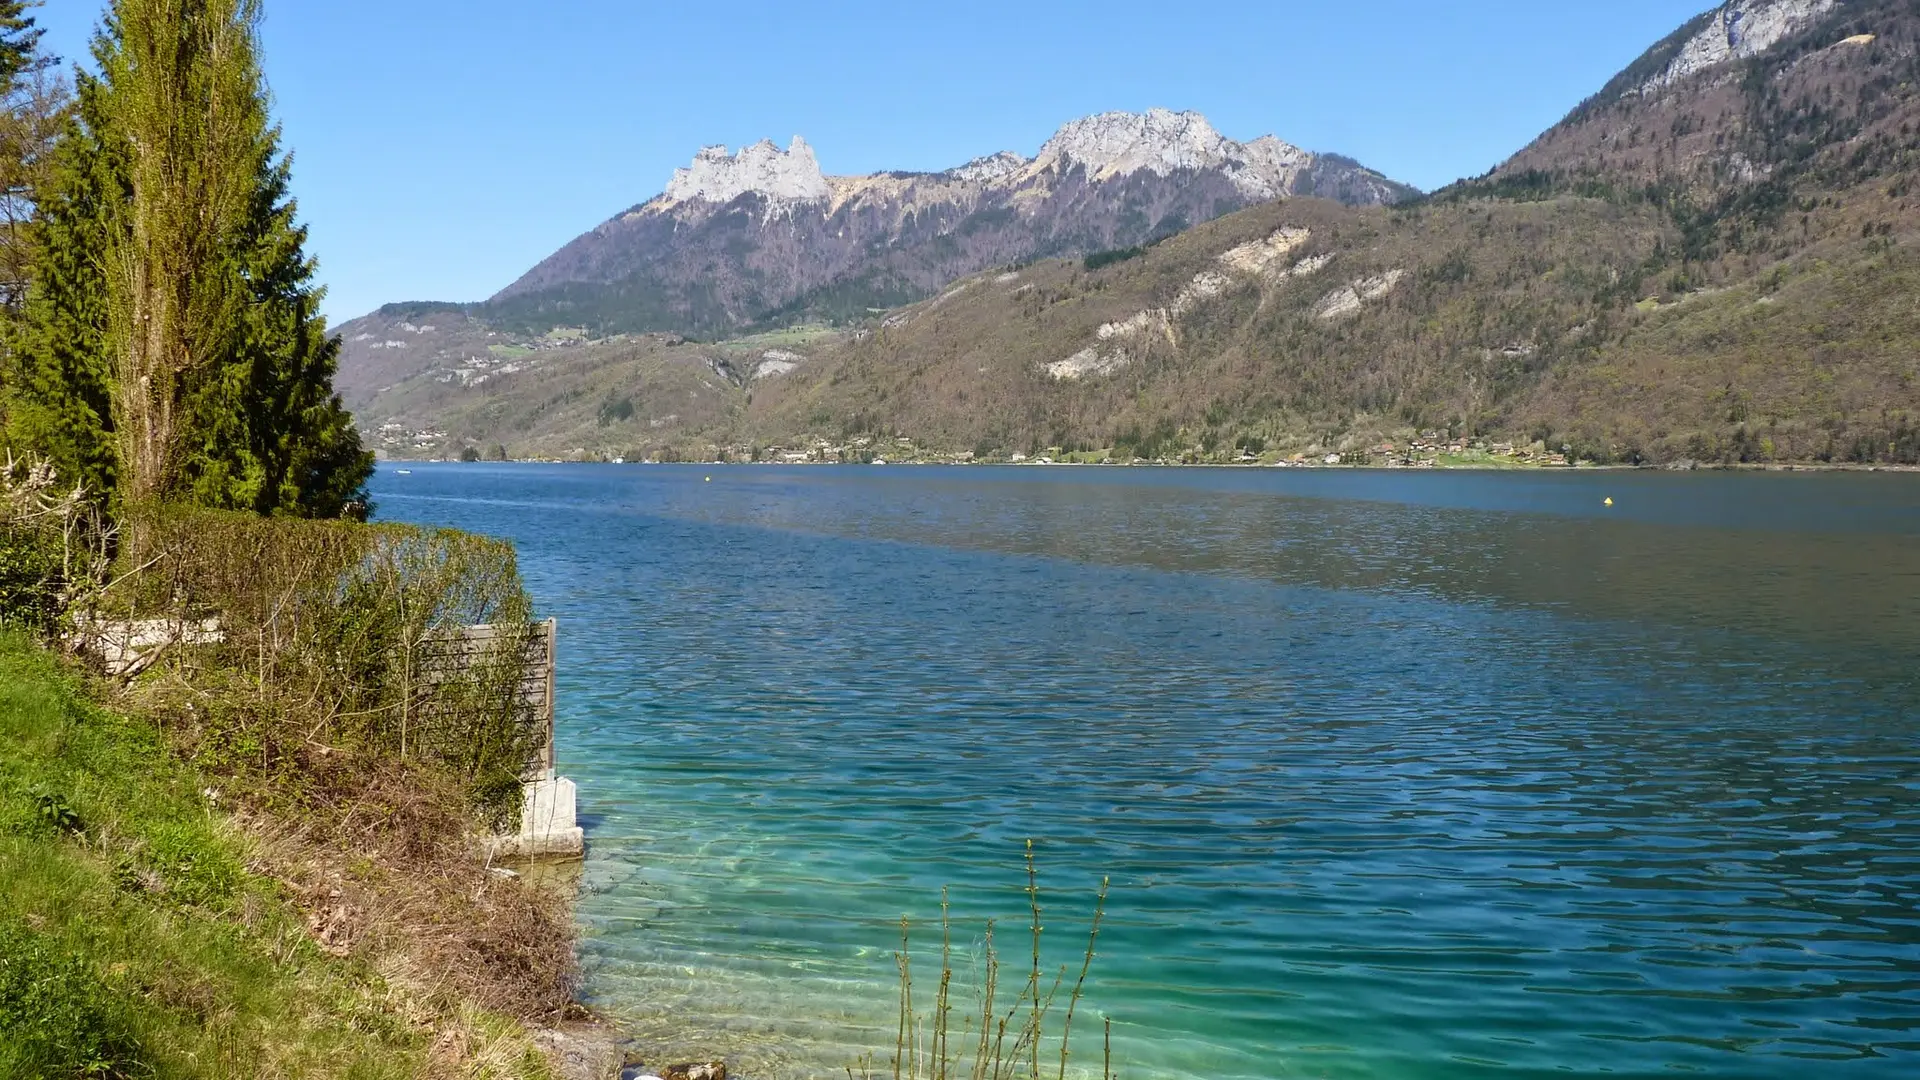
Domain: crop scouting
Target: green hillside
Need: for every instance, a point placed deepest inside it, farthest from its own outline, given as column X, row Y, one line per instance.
column 143, row 934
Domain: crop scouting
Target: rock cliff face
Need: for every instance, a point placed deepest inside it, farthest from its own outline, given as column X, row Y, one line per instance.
column 764, row 236
column 1709, row 49
column 792, row 176
column 1738, row 31
column 1120, row 144
column 1736, row 95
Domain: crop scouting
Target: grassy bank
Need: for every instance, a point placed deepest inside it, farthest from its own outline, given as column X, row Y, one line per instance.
column 148, row 927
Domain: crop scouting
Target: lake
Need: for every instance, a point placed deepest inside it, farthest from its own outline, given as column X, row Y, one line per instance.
column 1394, row 774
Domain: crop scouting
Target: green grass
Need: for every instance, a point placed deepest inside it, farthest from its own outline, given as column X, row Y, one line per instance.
column 133, row 940
column 511, row 352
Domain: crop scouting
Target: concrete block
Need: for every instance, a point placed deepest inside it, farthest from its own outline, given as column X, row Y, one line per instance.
column 548, row 822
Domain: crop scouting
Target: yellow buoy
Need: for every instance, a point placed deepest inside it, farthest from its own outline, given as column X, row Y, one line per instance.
column 1609, row 500
column 709, row 479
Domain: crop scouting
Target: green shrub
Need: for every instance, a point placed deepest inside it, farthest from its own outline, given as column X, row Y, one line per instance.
column 338, row 634
column 52, row 811
column 31, row 580
column 57, row 1017
column 1100, row 260
column 616, row 411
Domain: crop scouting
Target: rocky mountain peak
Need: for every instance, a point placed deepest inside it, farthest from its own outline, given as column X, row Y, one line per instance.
column 1162, row 141
column 985, row 170
column 1123, row 142
column 833, row 247
column 1738, row 30
column 782, row 176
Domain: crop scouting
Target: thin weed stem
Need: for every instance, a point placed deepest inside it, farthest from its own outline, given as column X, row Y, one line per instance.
column 941, row 1009
column 906, row 1000
column 1033, row 899
column 1012, row 1037
column 989, row 985
column 1086, row 965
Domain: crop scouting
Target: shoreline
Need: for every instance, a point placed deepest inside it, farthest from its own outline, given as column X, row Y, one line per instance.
column 1770, row 467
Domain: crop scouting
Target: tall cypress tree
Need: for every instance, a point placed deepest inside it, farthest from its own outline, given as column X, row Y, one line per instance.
column 174, row 346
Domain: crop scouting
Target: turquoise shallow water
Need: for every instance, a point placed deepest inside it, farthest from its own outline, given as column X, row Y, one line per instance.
column 1395, row 775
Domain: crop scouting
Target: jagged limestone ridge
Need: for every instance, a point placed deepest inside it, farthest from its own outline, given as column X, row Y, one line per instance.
column 1108, row 146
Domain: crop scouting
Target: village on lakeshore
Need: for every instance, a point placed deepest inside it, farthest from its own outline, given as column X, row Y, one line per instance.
column 1430, row 450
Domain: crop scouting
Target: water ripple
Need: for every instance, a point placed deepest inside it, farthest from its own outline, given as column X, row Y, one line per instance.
column 1394, row 776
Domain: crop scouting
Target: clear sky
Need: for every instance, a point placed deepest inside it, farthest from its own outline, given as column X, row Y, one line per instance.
column 442, row 147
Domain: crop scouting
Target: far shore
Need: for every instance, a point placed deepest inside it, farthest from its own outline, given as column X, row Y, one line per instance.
column 1468, row 466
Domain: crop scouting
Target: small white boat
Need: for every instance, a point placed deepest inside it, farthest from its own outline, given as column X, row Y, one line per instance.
column 406, row 472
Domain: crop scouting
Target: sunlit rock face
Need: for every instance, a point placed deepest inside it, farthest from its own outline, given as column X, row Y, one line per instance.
column 1120, row 144
column 782, row 176
column 1718, row 128
column 1741, row 29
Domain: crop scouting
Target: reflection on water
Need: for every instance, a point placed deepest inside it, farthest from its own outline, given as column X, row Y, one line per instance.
column 1395, row 775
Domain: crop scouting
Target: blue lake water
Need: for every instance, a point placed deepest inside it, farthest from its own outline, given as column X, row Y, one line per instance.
column 1395, row 775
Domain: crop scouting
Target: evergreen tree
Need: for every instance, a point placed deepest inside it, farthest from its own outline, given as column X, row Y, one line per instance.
column 33, row 106
column 60, row 402
column 265, row 430
column 19, row 42
column 175, row 349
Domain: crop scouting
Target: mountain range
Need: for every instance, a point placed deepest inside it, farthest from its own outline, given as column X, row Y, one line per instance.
column 763, row 236
column 1708, row 259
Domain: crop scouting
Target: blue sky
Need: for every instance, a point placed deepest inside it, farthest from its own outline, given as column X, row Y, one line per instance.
column 442, row 147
